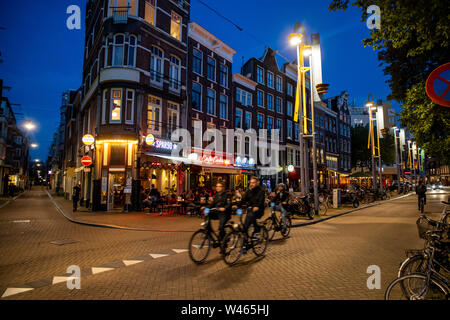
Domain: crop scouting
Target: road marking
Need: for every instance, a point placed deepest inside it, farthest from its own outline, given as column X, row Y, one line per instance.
column 59, row 279
column 131, row 262
column 21, row 221
column 179, row 250
column 99, row 270
column 13, row 291
column 158, row 255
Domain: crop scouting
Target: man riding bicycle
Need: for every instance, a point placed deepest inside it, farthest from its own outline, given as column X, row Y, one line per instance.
column 280, row 200
column 421, row 191
column 255, row 198
column 222, row 202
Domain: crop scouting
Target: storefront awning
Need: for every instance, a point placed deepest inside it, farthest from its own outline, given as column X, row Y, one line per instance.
column 340, row 173
column 212, row 167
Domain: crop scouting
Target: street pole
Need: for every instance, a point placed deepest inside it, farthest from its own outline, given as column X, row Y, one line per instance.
column 300, row 119
column 316, row 191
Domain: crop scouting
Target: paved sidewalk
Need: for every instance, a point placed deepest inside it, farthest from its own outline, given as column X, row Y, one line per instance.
column 165, row 223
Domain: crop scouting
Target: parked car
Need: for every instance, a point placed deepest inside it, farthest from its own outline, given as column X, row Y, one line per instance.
column 436, row 186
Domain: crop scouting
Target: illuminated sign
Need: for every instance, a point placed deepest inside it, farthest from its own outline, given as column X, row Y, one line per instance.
column 149, row 139
column 290, row 168
column 88, row 139
column 159, row 144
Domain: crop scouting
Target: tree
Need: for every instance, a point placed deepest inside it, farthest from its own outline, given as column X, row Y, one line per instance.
column 412, row 42
column 387, row 149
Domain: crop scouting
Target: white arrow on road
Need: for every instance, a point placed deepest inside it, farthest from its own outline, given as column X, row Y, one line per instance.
column 13, row 291
column 157, row 255
column 131, row 262
column 99, row 270
column 179, row 250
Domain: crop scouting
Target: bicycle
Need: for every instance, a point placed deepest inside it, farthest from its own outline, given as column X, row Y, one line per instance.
column 238, row 242
column 274, row 224
column 200, row 242
column 424, row 276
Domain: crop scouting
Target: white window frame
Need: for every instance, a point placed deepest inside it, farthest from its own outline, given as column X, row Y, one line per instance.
column 290, row 89
column 154, row 11
column 201, row 62
column 226, row 107
column 201, row 95
column 173, row 66
column 129, row 121
column 263, row 121
column 225, row 85
column 111, row 104
column 135, row 50
column 257, row 100
column 245, row 119
column 241, row 118
column 289, row 135
column 262, row 72
column 181, row 25
column 214, row 104
column 273, row 102
column 273, row 80
column 114, row 50
column 161, row 73
column 155, row 106
column 281, row 105
column 173, row 108
column 207, row 68
column 281, row 83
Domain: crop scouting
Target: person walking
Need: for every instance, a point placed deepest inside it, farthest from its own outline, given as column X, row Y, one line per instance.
column 421, row 191
column 76, row 196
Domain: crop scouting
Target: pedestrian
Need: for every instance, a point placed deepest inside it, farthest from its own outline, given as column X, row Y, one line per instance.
column 421, row 191
column 76, row 195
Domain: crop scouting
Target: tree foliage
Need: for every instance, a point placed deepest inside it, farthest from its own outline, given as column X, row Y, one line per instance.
column 412, row 42
column 387, row 149
column 361, row 156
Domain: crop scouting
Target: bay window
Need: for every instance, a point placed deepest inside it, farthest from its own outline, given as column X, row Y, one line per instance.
column 116, row 106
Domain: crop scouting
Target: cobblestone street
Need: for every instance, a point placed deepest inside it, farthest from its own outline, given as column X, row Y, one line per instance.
column 327, row 260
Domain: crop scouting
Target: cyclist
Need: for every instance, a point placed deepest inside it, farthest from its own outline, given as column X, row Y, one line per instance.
column 421, row 190
column 281, row 199
column 255, row 198
column 222, row 202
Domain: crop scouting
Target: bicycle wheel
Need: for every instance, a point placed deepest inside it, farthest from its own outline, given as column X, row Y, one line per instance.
column 259, row 241
column 199, row 246
column 285, row 231
column 311, row 213
column 414, row 287
column 414, row 264
column 355, row 203
column 322, row 209
column 233, row 244
column 270, row 227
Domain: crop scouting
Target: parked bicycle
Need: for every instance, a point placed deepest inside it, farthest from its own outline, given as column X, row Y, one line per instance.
column 274, row 224
column 202, row 239
column 425, row 275
column 240, row 241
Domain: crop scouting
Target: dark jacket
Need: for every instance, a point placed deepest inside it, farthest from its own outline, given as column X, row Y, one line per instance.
column 255, row 198
column 154, row 194
column 421, row 189
column 222, row 200
column 280, row 197
column 76, row 192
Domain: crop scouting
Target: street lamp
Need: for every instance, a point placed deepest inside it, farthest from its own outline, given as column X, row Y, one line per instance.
column 371, row 141
column 396, row 153
column 34, row 145
column 29, row 125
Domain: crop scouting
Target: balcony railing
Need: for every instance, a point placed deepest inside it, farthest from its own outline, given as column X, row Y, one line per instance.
column 160, row 129
column 157, row 79
column 120, row 14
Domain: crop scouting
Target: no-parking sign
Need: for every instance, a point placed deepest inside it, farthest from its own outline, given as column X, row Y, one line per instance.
column 438, row 85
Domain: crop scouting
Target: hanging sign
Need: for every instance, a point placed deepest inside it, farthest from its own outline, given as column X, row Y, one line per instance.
column 88, row 139
column 86, row 161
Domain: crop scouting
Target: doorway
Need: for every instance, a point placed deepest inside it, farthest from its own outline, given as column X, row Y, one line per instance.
column 116, row 197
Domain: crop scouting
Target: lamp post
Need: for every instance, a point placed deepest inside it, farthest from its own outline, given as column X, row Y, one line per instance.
column 371, row 142
column 296, row 39
column 396, row 153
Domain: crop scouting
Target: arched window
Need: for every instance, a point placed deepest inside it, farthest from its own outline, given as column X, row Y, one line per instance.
column 118, row 49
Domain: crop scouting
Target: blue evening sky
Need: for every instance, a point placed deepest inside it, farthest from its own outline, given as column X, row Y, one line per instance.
column 42, row 58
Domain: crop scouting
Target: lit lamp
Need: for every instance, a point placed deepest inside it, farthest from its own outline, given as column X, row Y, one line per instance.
column 29, row 125
column 34, row 145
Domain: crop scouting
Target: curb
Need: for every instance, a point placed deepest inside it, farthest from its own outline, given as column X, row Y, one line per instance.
column 347, row 212
column 110, row 226
column 13, row 199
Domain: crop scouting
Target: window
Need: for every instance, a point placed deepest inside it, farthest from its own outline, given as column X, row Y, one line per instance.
column 289, row 108
column 123, row 3
column 260, row 121
column 269, row 79
column 244, row 97
column 174, row 73
column 175, row 26
column 129, row 112
column 248, row 120
column 211, row 69
column 278, row 105
column 269, row 126
column 156, row 65
column 269, row 102
column 172, row 116
column 154, row 114
column 260, row 98
column 197, row 62
column 279, row 127
column 260, row 75
column 196, row 96
column 223, row 77
column 118, row 50
column 210, row 102
column 238, row 118
column 289, row 129
column 132, row 51
column 279, row 84
column 296, row 129
column 116, row 105
column 150, row 11
column 223, row 104
column 289, row 90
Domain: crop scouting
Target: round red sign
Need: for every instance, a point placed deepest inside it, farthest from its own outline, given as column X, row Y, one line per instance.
column 438, row 85
column 86, row 161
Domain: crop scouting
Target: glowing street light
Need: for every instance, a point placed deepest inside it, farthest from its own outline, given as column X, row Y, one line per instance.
column 34, row 145
column 36, row 160
column 29, row 125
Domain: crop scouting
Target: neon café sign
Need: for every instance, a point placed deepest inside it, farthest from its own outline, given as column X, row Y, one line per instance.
column 159, row 144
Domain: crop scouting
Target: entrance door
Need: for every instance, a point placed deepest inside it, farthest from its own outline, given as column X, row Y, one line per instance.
column 116, row 197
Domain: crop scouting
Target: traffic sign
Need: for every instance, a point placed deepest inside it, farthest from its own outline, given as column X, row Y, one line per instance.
column 88, row 139
column 438, row 85
column 86, row 161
